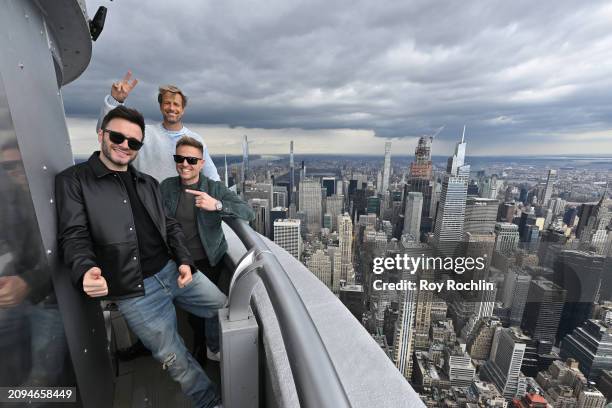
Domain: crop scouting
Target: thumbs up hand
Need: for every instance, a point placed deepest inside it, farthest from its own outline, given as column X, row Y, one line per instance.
column 185, row 276
column 94, row 283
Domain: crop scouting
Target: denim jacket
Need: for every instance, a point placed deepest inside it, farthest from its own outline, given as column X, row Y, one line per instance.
column 209, row 222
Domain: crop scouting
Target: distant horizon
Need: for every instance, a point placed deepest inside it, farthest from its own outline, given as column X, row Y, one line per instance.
column 558, row 156
column 225, row 139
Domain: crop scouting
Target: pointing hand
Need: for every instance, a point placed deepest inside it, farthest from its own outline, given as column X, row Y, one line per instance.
column 203, row 200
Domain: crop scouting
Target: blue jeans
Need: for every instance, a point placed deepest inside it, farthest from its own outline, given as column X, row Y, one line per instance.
column 152, row 318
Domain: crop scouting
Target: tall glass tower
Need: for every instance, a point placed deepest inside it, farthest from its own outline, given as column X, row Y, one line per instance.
column 451, row 210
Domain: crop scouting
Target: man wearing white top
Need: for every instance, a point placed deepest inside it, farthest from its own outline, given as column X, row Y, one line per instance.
column 156, row 157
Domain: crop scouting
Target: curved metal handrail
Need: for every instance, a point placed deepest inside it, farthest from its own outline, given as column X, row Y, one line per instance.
column 316, row 379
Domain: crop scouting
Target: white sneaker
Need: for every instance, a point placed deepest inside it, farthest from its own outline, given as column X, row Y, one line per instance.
column 213, row 356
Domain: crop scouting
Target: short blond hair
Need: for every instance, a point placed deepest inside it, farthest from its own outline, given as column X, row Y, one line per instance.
column 164, row 89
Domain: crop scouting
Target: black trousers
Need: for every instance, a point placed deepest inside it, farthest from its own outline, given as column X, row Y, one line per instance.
column 212, row 272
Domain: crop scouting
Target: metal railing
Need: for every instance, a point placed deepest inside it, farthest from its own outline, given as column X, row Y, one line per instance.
column 316, row 379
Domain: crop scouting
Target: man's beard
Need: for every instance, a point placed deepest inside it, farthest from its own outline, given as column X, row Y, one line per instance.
column 107, row 152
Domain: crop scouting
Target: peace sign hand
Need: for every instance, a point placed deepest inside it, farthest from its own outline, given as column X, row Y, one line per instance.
column 121, row 89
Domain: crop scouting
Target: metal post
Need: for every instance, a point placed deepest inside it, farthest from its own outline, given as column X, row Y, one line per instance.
column 316, row 380
column 240, row 339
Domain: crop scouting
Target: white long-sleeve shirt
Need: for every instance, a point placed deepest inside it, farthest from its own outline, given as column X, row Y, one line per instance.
column 155, row 156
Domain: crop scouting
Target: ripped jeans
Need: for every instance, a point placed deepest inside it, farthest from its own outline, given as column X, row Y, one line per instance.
column 153, row 319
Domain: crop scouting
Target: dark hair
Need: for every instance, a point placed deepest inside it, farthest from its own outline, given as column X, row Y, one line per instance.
column 129, row 114
column 164, row 89
column 190, row 141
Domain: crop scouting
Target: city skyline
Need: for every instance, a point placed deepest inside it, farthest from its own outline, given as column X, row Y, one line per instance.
column 521, row 77
column 542, row 229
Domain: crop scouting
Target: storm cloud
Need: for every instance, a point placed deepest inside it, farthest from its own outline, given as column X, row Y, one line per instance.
column 525, row 74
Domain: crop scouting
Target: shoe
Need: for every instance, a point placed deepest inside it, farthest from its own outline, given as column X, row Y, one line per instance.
column 213, row 356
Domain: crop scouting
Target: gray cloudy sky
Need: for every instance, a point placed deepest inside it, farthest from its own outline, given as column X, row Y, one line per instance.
column 341, row 76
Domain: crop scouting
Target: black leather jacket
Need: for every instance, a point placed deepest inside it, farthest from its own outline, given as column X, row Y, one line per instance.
column 95, row 226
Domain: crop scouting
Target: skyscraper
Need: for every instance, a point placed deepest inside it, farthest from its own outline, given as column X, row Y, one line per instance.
column 506, row 211
column 584, row 214
column 480, row 215
column 488, row 186
column 557, row 205
column 261, row 223
column 504, row 365
column 277, row 213
column 279, row 196
column 352, row 297
column 596, row 224
column 550, row 181
column 335, row 205
column 302, row 171
column 320, row 265
column 422, row 167
column 327, row 221
column 310, row 203
column 287, row 236
column 422, row 307
column 386, row 169
column 412, row 215
column 448, row 230
column 506, row 237
column 291, row 175
column 403, row 343
column 420, row 180
column 591, row 345
column 580, row 274
column 543, row 312
column 480, row 339
column 516, row 290
column 329, row 183
column 345, row 234
column 336, row 258
column 373, row 205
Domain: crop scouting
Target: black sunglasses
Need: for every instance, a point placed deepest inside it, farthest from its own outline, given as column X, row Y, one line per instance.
column 118, row 138
column 190, row 160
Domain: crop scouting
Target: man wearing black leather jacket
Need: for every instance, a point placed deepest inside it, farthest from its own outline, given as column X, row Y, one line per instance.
column 114, row 235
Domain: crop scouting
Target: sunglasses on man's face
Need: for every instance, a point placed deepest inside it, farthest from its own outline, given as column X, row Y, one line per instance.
column 118, row 138
column 190, row 160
